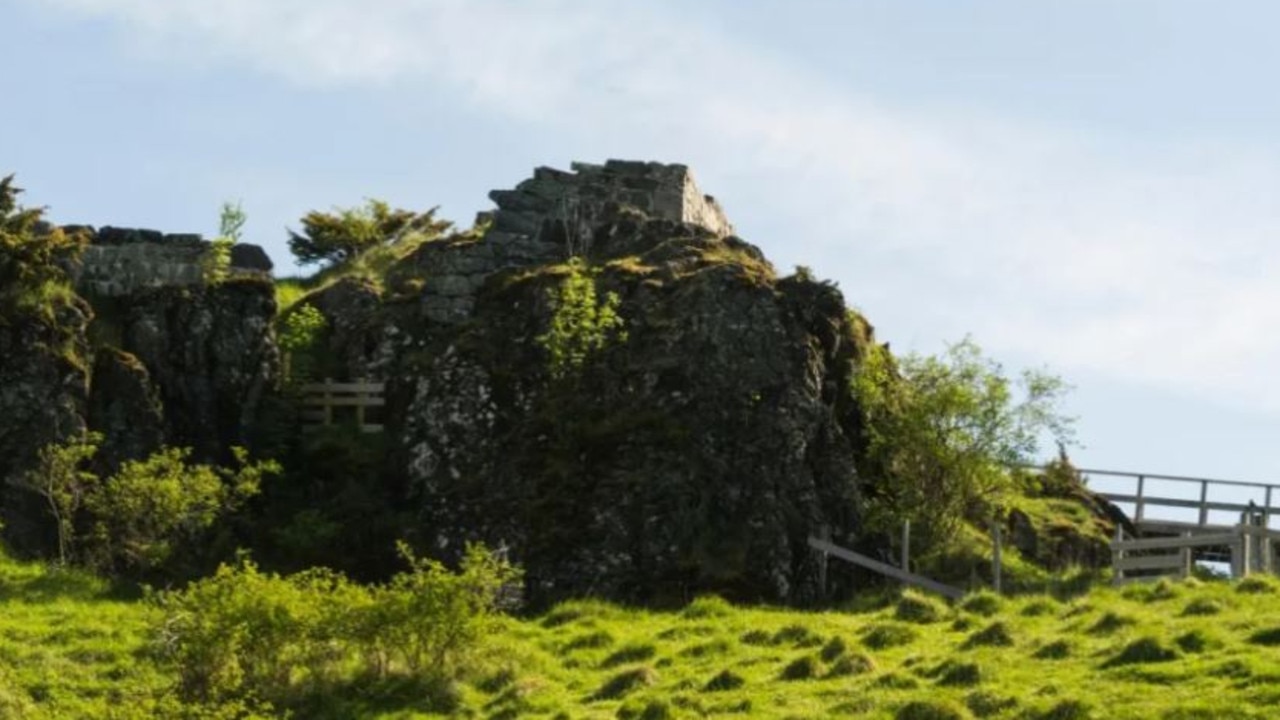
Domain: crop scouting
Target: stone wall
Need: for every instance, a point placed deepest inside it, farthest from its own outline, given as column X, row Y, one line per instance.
column 121, row 261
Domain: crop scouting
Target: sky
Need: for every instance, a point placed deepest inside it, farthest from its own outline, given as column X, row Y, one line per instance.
column 1085, row 186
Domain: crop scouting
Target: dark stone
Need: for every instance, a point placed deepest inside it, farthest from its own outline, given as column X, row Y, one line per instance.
column 188, row 239
column 124, row 236
column 125, row 407
column 245, row 256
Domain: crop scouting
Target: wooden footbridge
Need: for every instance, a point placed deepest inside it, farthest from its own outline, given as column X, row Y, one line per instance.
column 1180, row 521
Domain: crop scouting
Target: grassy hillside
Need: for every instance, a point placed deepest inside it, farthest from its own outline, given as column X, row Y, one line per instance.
column 1182, row 650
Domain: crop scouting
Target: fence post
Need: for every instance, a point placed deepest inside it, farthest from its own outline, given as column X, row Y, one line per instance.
column 906, row 545
column 996, row 560
column 1117, row 554
column 1204, row 498
column 327, row 396
column 361, row 396
column 1184, row 569
column 824, row 533
column 1137, row 510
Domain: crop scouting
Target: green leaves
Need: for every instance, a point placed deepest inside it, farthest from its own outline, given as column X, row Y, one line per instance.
column 341, row 235
column 942, row 430
column 583, row 322
column 33, row 275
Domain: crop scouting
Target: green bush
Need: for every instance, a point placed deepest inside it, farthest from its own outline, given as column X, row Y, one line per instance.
column 244, row 632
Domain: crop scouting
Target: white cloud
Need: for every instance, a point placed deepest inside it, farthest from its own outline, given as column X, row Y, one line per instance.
column 1148, row 269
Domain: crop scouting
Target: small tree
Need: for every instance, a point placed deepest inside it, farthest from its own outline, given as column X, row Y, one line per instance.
column 339, row 236
column 216, row 263
column 943, row 431
column 582, row 323
column 62, row 479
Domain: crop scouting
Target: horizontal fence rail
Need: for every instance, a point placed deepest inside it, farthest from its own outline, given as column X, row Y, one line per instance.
column 319, row 400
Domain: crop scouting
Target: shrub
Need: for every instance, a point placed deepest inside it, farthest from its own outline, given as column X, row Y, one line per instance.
column 346, row 233
column 582, row 323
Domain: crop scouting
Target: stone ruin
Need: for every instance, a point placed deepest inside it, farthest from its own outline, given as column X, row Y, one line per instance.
column 552, row 216
column 121, row 261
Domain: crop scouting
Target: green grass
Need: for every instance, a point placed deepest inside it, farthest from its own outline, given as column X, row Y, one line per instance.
column 69, row 647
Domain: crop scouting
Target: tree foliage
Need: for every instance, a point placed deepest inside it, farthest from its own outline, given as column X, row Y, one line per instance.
column 62, row 479
column 338, row 236
column 301, row 330
column 33, row 259
column 943, row 431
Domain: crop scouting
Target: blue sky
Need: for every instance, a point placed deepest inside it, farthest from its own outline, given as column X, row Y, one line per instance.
column 1089, row 186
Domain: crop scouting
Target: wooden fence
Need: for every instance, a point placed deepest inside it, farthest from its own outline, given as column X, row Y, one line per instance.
column 910, row 578
column 321, row 400
column 1202, row 496
column 1249, row 548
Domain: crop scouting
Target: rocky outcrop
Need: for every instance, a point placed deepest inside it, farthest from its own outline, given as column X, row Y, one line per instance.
column 697, row 454
column 211, row 355
column 43, row 391
column 125, row 408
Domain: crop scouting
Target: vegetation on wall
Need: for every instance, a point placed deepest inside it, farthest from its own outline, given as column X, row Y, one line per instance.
column 216, row 263
column 339, row 236
column 33, row 259
column 582, row 323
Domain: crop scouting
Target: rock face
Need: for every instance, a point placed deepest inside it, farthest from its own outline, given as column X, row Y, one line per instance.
column 697, row 453
column 210, row 355
column 43, row 391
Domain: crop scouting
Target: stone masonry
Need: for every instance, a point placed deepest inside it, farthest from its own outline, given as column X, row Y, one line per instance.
column 121, row 261
column 551, row 217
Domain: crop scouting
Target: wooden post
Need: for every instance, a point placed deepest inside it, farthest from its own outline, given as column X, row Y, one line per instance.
column 1266, row 510
column 996, row 561
column 1204, row 498
column 1137, row 511
column 1184, row 570
column 1117, row 554
column 328, row 407
column 360, row 398
column 906, row 545
column 823, row 558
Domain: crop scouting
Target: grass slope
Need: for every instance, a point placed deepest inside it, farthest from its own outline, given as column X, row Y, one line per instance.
column 1171, row 650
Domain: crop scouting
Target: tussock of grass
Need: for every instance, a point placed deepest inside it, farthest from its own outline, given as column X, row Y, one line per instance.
column 917, row 607
column 590, row 641
column 983, row 603
column 626, row 682
column 879, row 637
column 1196, row 641
column 723, row 681
column 1143, row 650
column 850, row 665
column 1039, row 607
column 931, row 710
column 1268, row 636
column 957, row 674
column 708, row 606
column 1056, row 650
column 1067, row 710
column 798, row 636
column 1257, row 585
column 1203, row 606
column 994, row 635
column 1109, row 623
column 756, row 637
column 835, row 648
column 630, row 654
column 983, row 703
column 806, row 667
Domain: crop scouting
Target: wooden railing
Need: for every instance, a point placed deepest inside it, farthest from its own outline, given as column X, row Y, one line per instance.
column 320, row 400
column 1250, row 548
column 1204, row 496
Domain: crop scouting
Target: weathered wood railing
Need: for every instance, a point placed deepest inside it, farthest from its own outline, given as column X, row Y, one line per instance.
column 828, row 548
column 1203, row 497
column 1251, row 548
column 319, row 400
